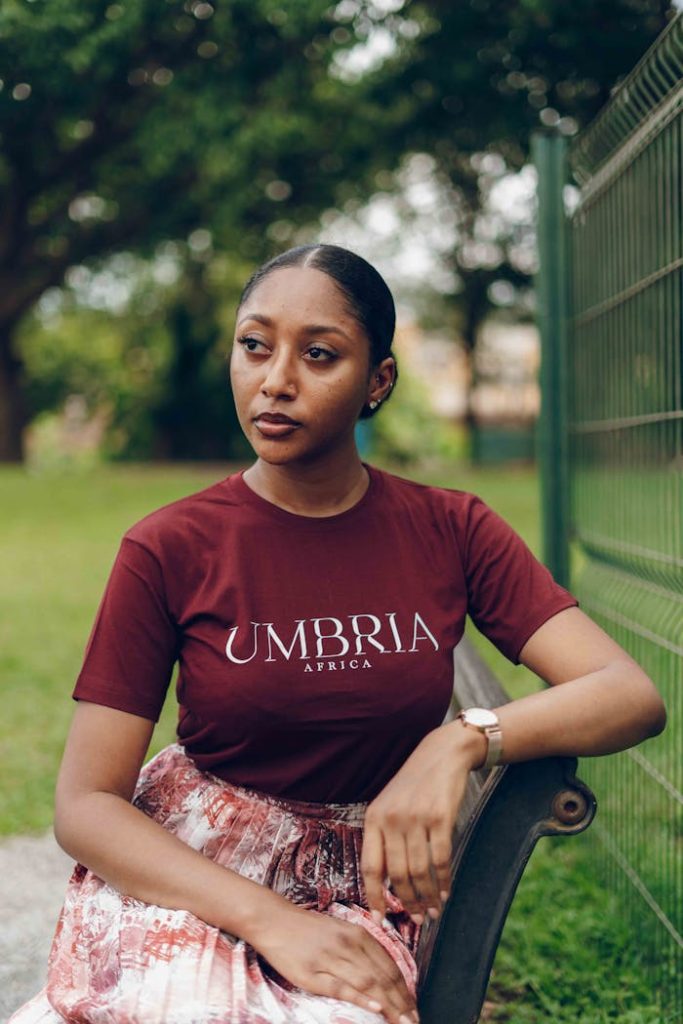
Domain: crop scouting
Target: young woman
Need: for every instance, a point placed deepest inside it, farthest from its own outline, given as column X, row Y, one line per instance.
column 276, row 864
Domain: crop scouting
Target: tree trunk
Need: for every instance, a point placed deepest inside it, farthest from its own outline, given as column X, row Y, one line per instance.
column 12, row 405
column 473, row 316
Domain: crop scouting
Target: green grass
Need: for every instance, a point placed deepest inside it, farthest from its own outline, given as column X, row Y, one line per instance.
column 58, row 538
column 565, row 955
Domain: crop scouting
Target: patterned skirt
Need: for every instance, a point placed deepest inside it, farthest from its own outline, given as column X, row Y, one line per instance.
column 117, row 960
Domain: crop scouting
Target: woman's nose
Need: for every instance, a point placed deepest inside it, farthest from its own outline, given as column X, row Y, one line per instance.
column 280, row 378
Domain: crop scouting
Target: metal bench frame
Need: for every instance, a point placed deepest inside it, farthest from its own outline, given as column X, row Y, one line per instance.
column 505, row 811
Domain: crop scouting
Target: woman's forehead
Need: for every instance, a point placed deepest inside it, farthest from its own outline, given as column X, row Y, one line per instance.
column 299, row 292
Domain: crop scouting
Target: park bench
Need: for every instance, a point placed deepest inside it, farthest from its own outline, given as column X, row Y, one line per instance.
column 505, row 811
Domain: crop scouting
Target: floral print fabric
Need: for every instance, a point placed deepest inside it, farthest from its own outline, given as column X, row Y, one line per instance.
column 117, row 960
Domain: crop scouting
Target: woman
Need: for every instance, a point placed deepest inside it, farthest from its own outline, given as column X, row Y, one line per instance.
column 277, row 863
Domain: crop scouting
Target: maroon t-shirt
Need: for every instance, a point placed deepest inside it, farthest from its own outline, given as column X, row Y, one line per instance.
column 314, row 653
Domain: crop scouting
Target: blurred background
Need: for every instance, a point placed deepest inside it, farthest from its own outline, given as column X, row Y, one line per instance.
column 153, row 152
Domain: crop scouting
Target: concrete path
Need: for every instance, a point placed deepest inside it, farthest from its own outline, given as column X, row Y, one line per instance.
column 33, row 876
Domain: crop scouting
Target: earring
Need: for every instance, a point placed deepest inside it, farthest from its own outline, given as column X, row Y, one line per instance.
column 373, row 404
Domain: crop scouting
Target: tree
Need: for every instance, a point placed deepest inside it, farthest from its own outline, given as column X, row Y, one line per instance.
column 469, row 82
column 126, row 124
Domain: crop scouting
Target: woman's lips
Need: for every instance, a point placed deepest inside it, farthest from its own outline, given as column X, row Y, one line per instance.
column 275, row 426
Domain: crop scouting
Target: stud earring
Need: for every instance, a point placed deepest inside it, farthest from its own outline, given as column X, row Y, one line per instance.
column 373, row 404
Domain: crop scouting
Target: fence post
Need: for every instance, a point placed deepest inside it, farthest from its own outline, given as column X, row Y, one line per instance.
column 549, row 151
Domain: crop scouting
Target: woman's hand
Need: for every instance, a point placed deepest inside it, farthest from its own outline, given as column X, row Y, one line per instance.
column 335, row 958
column 409, row 825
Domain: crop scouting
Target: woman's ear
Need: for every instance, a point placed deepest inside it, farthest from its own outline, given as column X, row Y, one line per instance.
column 381, row 381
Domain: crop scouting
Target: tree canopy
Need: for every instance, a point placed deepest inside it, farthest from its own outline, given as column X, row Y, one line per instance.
column 128, row 124
column 125, row 124
column 470, row 82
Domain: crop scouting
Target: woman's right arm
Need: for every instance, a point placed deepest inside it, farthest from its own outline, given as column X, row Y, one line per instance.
column 96, row 824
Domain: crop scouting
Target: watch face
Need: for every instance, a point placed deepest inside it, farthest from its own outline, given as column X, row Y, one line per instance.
column 481, row 717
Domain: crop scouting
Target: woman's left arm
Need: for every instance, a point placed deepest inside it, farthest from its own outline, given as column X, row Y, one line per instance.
column 610, row 703
column 599, row 701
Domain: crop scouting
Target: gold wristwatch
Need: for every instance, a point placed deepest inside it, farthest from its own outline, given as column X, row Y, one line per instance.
column 485, row 721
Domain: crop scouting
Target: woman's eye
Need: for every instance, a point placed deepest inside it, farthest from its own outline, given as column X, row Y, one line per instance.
column 251, row 344
column 320, row 355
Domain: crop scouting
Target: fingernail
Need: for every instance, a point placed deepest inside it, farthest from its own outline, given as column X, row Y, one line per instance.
column 433, row 912
column 417, row 918
column 374, row 1005
column 405, row 1019
column 376, row 917
column 444, row 895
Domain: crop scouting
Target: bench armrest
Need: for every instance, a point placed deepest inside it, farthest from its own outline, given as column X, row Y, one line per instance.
column 505, row 811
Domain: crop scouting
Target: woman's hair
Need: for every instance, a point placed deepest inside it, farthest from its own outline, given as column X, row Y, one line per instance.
column 368, row 297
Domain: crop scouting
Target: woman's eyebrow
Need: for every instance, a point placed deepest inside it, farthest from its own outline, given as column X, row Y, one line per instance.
column 325, row 328
column 256, row 316
column 309, row 329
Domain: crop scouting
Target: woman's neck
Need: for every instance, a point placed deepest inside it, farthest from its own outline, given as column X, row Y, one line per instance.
column 312, row 489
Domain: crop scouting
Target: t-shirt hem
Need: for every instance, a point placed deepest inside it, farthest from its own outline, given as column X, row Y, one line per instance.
column 537, row 621
column 117, row 701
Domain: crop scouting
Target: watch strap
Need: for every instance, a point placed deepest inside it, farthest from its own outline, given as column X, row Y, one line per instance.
column 494, row 737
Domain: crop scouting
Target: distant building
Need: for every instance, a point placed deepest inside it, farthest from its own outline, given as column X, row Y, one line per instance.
column 439, row 363
column 502, row 388
column 505, row 374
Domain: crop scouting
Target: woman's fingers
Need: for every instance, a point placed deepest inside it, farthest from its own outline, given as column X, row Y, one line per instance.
column 413, row 879
column 396, row 858
column 370, row 998
column 327, row 956
column 378, row 976
column 419, row 865
column 422, row 890
column 381, row 978
column 372, row 868
column 416, row 860
column 386, row 970
column 369, row 977
column 441, row 846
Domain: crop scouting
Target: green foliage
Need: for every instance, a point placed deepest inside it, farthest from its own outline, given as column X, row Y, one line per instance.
column 567, row 953
column 127, row 125
column 156, row 369
column 475, row 77
column 124, row 125
column 102, row 357
column 470, row 82
column 406, row 431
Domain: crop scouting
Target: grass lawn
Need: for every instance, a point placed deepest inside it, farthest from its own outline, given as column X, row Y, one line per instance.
column 564, row 957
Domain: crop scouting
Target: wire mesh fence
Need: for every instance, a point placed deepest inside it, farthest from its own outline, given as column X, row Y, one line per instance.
column 625, row 459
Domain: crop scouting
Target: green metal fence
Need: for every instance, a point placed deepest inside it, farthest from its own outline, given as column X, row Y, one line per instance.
column 623, row 436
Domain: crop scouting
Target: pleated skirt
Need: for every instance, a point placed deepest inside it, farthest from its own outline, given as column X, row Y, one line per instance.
column 118, row 960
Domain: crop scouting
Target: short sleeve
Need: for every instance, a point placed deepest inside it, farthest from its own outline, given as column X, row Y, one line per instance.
column 133, row 644
column 510, row 593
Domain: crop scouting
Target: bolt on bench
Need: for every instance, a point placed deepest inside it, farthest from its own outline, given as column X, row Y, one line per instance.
column 504, row 812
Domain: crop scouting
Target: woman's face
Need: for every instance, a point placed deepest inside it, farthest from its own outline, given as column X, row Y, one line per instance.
column 300, row 367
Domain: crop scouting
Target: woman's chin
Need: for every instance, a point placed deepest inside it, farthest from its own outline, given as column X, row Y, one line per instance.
column 277, row 454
